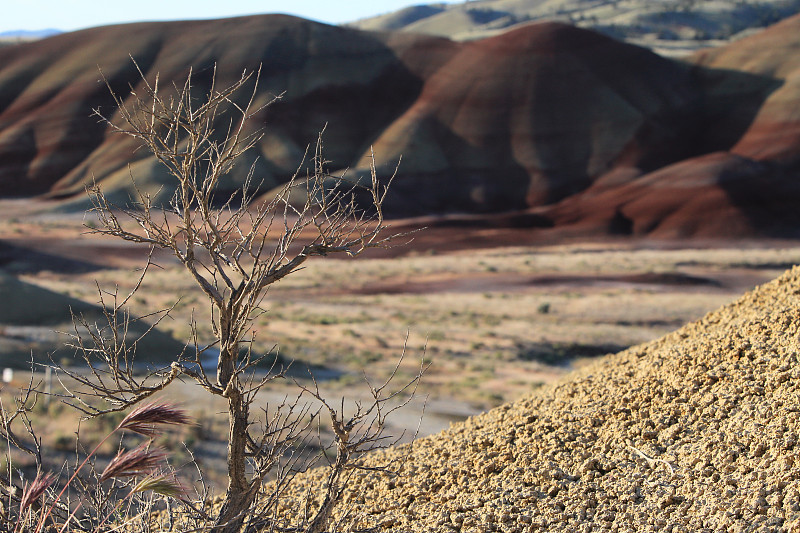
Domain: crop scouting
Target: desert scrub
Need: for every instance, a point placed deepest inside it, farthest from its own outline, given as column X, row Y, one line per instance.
column 233, row 246
column 89, row 499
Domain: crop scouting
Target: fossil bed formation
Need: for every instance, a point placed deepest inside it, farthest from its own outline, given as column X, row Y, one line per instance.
column 569, row 128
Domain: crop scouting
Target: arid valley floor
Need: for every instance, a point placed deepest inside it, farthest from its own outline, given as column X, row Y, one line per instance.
column 497, row 312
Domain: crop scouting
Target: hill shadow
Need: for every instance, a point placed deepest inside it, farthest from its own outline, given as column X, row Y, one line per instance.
column 21, row 260
column 731, row 99
column 765, row 192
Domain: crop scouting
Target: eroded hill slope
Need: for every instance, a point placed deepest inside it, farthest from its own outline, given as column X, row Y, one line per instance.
column 743, row 179
column 696, row 431
column 590, row 134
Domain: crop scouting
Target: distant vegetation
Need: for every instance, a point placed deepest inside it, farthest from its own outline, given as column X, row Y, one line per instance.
column 677, row 25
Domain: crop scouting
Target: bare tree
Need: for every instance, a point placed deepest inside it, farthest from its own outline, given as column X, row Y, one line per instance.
column 234, row 247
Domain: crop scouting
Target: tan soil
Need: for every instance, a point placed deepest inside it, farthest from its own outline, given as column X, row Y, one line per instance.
column 696, row 431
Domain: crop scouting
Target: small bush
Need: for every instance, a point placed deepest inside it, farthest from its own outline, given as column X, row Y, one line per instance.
column 234, row 246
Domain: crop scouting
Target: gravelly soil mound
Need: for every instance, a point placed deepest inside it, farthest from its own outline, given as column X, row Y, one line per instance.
column 697, row 431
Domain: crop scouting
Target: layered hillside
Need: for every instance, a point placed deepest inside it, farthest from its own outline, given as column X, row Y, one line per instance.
column 522, row 119
column 696, row 431
column 586, row 133
column 746, row 173
column 49, row 143
column 535, row 115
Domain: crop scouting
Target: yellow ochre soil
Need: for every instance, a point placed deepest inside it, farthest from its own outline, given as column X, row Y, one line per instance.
column 696, row 431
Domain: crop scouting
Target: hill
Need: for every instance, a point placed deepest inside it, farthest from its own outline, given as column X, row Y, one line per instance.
column 23, row 35
column 48, row 88
column 35, row 322
column 696, row 431
column 668, row 27
column 535, row 115
column 749, row 154
column 566, row 127
column 428, row 99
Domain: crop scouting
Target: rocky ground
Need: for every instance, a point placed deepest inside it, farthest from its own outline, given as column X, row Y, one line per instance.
column 696, row 431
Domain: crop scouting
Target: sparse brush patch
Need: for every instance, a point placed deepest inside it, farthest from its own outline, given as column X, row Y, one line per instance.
column 86, row 499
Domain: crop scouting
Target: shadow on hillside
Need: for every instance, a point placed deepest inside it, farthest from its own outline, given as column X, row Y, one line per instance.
column 768, row 199
column 731, row 101
column 35, row 323
column 21, row 260
column 469, row 182
column 765, row 191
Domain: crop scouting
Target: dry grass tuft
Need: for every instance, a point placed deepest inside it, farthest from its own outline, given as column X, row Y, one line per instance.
column 141, row 461
column 144, row 418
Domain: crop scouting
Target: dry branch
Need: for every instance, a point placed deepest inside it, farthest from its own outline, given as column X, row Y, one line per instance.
column 234, row 247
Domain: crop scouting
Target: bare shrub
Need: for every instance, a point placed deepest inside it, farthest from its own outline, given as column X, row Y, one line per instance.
column 234, row 247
